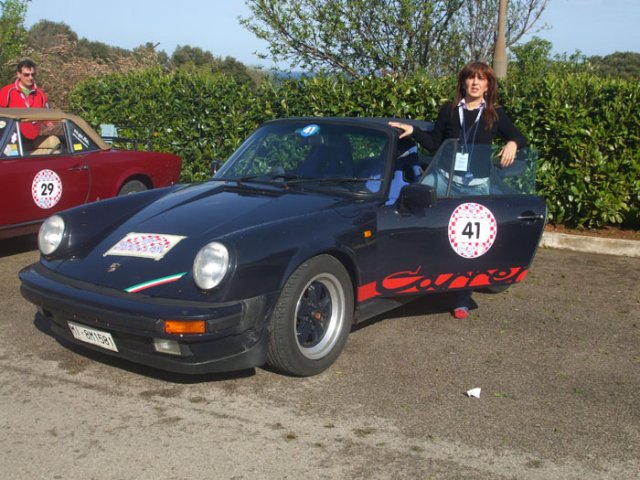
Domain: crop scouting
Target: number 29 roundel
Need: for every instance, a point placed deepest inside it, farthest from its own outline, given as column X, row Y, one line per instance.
column 472, row 230
column 46, row 189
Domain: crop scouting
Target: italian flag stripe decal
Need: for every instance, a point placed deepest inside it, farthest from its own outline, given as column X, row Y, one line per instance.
column 154, row 283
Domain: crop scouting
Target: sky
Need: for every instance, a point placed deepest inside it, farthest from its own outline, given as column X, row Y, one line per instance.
column 593, row 27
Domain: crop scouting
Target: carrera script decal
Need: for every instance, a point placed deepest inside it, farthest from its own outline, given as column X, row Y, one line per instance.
column 413, row 282
column 472, row 230
column 154, row 283
column 46, row 189
column 144, row 245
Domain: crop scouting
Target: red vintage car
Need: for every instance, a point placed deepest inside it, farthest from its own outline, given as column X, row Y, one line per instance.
column 66, row 164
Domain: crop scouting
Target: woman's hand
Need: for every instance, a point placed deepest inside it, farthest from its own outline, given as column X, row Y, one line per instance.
column 508, row 153
column 407, row 130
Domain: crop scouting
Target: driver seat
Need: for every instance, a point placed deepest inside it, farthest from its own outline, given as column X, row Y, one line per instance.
column 327, row 161
column 406, row 170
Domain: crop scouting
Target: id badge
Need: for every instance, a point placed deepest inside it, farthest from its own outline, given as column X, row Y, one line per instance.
column 462, row 162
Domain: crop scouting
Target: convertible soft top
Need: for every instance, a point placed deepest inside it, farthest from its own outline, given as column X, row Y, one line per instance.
column 43, row 114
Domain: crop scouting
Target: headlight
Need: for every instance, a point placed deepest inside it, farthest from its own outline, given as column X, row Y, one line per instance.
column 211, row 265
column 51, row 234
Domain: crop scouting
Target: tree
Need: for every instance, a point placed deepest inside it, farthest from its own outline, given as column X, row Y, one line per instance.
column 480, row 18
column 12, row 35
column 532, row 59
column 64, row 60
column 149, row 50
column 624, row 65
column 188, row 57
column 46, row 34
column 99, row 50
column 365, row 37
column 357, row 37
column 233, row 67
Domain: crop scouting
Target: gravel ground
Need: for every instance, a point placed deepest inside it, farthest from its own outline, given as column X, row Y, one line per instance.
column 557, row 358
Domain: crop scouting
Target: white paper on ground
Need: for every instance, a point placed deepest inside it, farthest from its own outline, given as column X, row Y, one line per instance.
column 474, row 392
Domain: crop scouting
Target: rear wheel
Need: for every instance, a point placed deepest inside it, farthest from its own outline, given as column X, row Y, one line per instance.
column 312, row 319
column 132, row 186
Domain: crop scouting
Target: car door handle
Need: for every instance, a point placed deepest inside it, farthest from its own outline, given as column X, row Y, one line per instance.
column 530, row 216
column 78, row 168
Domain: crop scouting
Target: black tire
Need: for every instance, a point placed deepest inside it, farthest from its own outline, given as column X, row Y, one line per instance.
column 132, row 186
column 312, row 319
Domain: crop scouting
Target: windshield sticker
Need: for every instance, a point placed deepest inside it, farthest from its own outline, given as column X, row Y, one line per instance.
column 81, row 137
column 472, row 230
column 154, row 283
column 11, row 150
column 310, row 130
column 144, row 245
column 46, row 189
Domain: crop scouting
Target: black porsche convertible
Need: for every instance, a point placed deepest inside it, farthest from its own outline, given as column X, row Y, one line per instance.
column 313, row 224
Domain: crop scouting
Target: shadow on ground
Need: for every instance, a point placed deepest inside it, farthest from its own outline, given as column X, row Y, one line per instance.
column 13, row 246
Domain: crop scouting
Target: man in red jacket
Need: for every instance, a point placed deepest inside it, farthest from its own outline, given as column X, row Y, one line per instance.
column 24, row 93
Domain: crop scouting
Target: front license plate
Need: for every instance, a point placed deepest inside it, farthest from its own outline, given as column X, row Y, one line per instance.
column 93, row 336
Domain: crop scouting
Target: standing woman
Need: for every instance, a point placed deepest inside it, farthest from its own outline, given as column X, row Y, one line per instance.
column 474, row 118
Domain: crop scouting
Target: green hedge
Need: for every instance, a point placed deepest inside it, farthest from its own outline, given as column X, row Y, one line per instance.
column 587, row 132
column 586, row 128
column 197, row 116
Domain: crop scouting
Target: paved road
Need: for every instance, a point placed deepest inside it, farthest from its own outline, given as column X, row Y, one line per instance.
column 557, row 358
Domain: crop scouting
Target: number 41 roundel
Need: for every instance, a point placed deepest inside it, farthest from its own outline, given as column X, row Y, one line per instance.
column 46, row 189
column 472, row 230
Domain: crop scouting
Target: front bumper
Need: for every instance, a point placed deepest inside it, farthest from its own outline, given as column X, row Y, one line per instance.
column 235, row 336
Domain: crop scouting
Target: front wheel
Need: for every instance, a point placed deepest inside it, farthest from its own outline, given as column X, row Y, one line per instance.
column 312, row 319
column 132, row 186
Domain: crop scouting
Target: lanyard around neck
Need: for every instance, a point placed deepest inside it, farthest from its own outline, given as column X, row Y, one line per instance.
column 464, row 129
column 26, row 97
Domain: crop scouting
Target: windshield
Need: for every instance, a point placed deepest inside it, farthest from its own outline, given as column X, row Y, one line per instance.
column 454, row 174
column 313, row 155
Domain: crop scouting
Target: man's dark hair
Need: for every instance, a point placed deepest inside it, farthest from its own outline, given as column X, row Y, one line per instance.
column 28, row 63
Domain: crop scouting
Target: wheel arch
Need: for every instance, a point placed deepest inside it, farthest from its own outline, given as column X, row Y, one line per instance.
column 347, row 261
column 281, row 254
column 350, row 266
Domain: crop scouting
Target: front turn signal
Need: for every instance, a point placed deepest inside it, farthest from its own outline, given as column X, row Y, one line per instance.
column 181, row 326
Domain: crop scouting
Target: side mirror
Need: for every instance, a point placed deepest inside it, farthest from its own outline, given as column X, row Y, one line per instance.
column 417, row 196
column 215, row 166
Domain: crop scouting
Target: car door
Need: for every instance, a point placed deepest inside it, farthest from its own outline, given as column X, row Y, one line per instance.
column 462, row 240
column 37, row 182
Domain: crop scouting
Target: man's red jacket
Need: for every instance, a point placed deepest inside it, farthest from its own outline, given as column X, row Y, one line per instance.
column 11, row 96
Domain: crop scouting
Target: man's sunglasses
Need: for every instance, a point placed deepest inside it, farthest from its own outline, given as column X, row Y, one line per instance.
column 28, row 74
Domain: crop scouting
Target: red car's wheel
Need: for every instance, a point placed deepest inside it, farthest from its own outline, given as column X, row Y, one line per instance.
column 132, row 186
